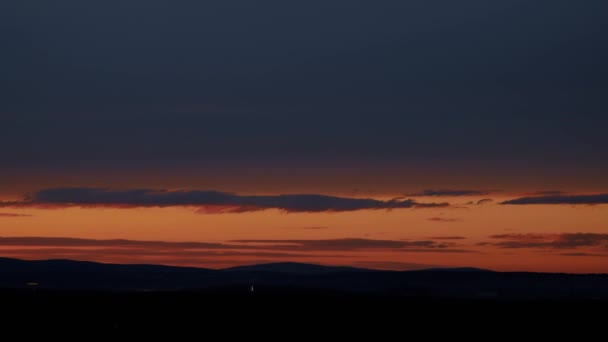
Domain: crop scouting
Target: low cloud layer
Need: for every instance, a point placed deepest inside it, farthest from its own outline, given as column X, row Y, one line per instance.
column 554, row 241
column 480, row 202
column 353, row 244
column 205, row 254
column 14, row 215
column 200, row 254
column 448, row 192
column 207, row 201
column 560, row 199
column 584, row 255
column 114, row 243
column 347, row 244
column 546, row 193
column 443, row 219
column 394, row 265
column 454, row 237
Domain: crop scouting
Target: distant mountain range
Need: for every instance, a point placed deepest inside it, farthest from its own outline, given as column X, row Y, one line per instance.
column 441, row 282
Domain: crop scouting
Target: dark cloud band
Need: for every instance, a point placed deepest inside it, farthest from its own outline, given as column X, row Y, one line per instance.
column 209, row 201
column 560, row 199
column 447, row 193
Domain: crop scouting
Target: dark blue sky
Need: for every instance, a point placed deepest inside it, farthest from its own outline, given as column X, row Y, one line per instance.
column 105, row 82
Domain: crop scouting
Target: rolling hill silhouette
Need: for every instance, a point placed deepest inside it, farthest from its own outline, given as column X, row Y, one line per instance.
column 444, row 282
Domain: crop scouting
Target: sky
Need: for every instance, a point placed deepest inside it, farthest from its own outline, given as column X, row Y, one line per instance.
column 386, row 134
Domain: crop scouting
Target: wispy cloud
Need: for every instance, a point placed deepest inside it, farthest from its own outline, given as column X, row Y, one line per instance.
column 119, row 252
column 443, row 219
column 448, row 237
column 355, row 244
column 584, row 254
column 351, row 244
column 393, row 265
column 14, row 215
column 480, row 202
column 194, row 253
column 309, row 228
column 450, row 192
column 129, row 251
column 119, row 243
column 560, row 199
column 546, row 193
column 207, row 201
column 346, row 244
column 555, row 241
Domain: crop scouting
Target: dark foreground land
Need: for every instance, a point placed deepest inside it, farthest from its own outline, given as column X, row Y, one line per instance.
column 298, row 299
column 294, row 312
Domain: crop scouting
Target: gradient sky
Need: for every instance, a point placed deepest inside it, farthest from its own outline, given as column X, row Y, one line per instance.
column 384, row 134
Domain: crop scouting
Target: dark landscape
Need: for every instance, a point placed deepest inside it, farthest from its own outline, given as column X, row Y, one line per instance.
column 297, row 278
column 107, row 297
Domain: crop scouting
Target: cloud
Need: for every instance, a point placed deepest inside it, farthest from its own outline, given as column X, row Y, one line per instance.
column 309, row 228
column 480, row 202
column 116, row 243
column 546, row 193
column 448, row 238
column 129, row 251
column 443, row 219
column 14, row 215
column 346, row 244
column 560, row 199
column 116, row 252
column 438, row 250
column 394, row 265
column 349, row 244
column 207, row 201
column 203, row 253
column 447, row 192
column 554, row 241
column 584, row 254
column 355, row 244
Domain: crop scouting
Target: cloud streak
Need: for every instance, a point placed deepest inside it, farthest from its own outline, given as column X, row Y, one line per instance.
column 582, row 254
column 448, row 192
column 546, row 193
column 205, row 254
column 138, row 251
column 560, row 199
column 443, row 219
column 207, row 201
column 114, row 243
column 355, row 244
column 552, row 241
column 14, row 215
column 394, row 265
column 448, row 237
column 347, row 244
